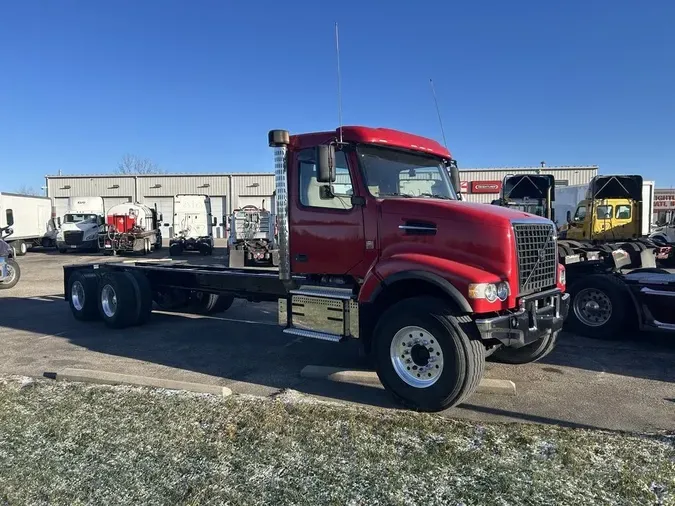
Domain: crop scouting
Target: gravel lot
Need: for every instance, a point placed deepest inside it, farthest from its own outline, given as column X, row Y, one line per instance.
column 624, row 385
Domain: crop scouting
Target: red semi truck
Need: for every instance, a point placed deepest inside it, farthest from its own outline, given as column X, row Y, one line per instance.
column 373, row 245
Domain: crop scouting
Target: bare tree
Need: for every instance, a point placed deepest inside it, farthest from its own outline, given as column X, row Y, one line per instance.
column 28, row 190
column 132, row 164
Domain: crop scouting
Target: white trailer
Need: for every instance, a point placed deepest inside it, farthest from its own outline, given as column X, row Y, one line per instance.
column 31, row 220
column 81, row 225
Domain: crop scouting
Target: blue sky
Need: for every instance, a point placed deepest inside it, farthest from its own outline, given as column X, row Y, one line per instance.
column 195, row 86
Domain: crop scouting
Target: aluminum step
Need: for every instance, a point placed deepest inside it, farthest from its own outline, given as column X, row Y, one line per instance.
column 327, row 292
column 323, row 336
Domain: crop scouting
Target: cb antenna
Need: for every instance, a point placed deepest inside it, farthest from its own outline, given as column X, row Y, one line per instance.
column 438, row 111
column 339, row 80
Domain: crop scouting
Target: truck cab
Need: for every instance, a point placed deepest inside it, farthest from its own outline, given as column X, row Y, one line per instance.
column 612, row 210
column 192, row 224
column 81, row 225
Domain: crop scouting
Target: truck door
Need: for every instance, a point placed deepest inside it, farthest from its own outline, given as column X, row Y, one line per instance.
column 326, row 234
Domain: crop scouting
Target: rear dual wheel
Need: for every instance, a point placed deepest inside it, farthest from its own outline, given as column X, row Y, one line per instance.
column 120, row 298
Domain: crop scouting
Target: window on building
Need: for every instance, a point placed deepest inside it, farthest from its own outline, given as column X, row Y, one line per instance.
column 623, row 212
column 10, row 217
column 562, row 182
column 604, row 212
column 310, row 188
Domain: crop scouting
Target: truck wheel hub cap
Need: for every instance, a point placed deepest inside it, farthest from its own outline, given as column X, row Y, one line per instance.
column 109, row 301
column 592, row 307
column 416, row 356
column 77, row 295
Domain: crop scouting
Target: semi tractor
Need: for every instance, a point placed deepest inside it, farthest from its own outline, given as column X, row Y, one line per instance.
column 607, row 295
column 31, row 221
column 81, row 225
column 252, row 237
column 193, row 225
column 428, row 284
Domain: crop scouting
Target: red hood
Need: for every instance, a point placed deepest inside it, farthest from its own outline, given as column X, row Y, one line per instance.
column 479, row 235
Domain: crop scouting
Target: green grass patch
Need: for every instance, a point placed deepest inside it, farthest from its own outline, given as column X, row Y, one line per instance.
column 88, row 444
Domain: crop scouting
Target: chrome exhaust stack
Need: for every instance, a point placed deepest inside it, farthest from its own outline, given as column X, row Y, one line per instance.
column 279, row 140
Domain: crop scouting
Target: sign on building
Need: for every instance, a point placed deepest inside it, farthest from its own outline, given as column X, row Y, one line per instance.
column 486, row 186
column 664, row 201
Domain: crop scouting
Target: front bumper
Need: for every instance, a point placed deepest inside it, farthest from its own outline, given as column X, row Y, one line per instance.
column 540, row 314
column 91, row 244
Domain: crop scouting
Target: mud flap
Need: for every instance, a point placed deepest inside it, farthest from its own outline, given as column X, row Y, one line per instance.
column 236, row 258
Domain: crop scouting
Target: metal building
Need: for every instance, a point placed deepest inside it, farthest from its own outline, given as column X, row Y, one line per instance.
column 227, row 192
column 484, row 185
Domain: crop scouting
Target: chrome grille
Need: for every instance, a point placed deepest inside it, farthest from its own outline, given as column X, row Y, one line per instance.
column 537, row 256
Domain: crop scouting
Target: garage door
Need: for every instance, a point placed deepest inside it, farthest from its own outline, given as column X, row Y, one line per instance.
column 165, row 208
column 108, row 202
column 218, row 211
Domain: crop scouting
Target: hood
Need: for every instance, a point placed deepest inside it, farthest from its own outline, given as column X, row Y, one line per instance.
column 80, row 225
column 479, row 235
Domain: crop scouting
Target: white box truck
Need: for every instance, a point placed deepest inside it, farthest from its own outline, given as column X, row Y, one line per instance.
column 31, row 216
column 81, row 225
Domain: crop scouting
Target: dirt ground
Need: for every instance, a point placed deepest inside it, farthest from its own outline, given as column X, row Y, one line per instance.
column 623, row 385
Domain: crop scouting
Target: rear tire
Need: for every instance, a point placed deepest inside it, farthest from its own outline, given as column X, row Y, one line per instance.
column 117, row 300
column 20, row 247
column 210, row 303
column 143, row 293
column 411, row 333
column 528, row 353
column 83, row 295
column 599, row 307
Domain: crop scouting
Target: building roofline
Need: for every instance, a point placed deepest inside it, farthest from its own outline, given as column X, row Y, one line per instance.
column 172, row 174
column 535, row 168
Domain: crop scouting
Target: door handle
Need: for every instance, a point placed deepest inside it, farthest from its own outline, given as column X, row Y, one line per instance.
column 300, row 258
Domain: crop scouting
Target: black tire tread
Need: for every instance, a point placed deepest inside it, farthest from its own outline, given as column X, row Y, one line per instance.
column 143, row 296
column 617, row 287
column 126, row 299
column 89, row 282
column 472, row 350
column 527, row 354
column 17, row 269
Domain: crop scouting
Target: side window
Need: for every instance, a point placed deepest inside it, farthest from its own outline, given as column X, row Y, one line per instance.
column 10, row 217
column 622, row 212
column 580, row 214
column 604, row 213
column 310, row 189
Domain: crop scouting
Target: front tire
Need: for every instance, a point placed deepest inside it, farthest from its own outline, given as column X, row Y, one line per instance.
column 14, row 275
column 600, row 305
column 20, row 247
column 528, row 353
column 423, row 357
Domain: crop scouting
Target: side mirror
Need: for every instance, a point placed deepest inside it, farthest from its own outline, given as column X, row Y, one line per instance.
column 58, row 222
column 553, row 215
column 161, row 217
column 325, row 163
column 10, row 218
column 454, row 176
column 215, row 222
column 325, row 193
column 569, row 216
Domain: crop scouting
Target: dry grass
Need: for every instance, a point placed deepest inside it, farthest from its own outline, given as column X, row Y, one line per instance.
column 78, row 444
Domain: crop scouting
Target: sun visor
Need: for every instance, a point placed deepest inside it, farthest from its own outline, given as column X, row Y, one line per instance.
column 532, row 186
column 617, row 187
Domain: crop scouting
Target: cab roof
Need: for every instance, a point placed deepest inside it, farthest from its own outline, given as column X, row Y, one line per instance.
column 369, row 135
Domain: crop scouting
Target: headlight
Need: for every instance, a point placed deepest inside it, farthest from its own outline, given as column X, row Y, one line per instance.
column 489, row 291
column 562, row 276
column 503, row 291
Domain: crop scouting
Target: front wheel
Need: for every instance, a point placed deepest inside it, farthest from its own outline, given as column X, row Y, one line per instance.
column 528, row 353
column 13, row 275
column 423, row 357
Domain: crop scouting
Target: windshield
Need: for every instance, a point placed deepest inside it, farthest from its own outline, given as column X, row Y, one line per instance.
column 393, row 173
column 537, row 209
column 76, row 218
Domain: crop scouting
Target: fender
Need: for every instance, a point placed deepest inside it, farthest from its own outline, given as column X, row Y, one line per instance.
column 452, row 277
